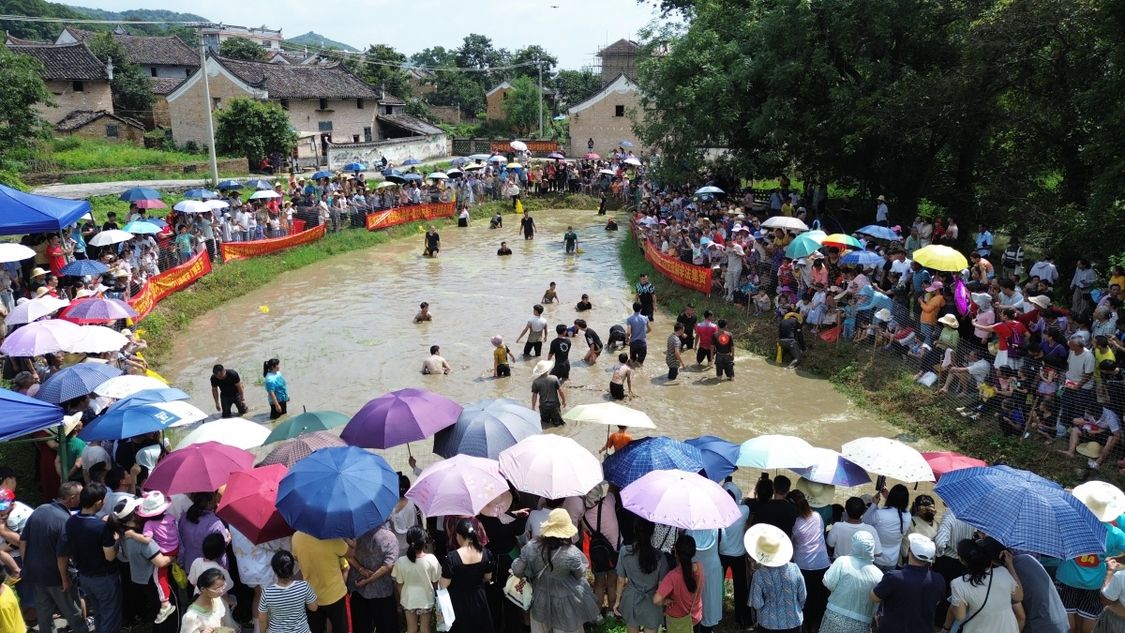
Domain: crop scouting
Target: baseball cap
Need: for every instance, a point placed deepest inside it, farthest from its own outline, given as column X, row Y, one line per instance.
column 922, row 547
column 6, row 499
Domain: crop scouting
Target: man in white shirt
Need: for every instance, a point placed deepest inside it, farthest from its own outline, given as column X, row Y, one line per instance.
column 839, row 538
column 882, row 213
column 1045, row 270
column 984, row 242
column 1009, row 295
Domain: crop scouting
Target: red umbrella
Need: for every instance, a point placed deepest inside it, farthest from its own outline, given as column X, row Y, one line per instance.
column 199, row 467
column 291, row 451
column 249, row 504
column 942, row 462
column 591, row 156
column 149, row 204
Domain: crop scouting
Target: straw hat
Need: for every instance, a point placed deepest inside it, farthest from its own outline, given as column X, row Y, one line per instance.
column 37, row 271
column 558, row 525
column 1041, row 301
column 768, row 545
column 153, row 504
column 948, row 320
column 71, row 422
column 1089, row 449
column 1106, row 501
column 818, row 494
column 42, row 291
column 542, row 367
column 83, row 293
column 881, row 198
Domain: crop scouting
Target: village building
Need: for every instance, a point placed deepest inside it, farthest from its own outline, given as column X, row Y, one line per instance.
column 77, row 79
column 213, row 36
column 102, row 126
column 607, row 117
column 495, row 100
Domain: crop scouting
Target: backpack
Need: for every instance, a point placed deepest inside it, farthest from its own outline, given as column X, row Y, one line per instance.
column 603, row 555
column 1017, row 344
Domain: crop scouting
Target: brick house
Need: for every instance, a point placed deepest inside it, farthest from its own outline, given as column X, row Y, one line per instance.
column 494, row 101
column 76, row 78
column 103, row 126
column 606, row 117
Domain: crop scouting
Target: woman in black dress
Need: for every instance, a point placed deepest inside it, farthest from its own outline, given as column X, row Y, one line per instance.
column 465, row 571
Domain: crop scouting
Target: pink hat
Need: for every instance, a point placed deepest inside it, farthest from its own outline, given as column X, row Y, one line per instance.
column 935, row 286
column 153, row 504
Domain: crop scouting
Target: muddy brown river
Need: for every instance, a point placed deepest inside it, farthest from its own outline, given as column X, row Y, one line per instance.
column 344, row 333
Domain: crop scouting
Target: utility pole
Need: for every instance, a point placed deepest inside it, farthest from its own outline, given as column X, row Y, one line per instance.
column 540, row 66
column 207, row 105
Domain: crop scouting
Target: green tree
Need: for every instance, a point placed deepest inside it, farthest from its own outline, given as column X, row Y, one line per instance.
column 242, row 48
column 376, row 71
column 521, row 108
column 24, row 89
column 130, row 86
column 455, row 88
column 537, row 55
column 254, row 129
column 436, row 57
column 575, row 86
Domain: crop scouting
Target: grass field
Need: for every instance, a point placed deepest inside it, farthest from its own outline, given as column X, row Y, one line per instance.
column 72, row 153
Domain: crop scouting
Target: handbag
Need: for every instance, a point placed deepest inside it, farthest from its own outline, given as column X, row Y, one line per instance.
column 444, row 610
column 518, row 590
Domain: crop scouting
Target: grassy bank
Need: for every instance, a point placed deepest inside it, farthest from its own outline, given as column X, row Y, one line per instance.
column 874, row 382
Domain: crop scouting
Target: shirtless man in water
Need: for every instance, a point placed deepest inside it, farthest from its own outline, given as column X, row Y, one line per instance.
column 622, row 378
column 423, row 313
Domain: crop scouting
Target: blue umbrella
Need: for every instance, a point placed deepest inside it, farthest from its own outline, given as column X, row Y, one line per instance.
column 719, row 456
column 647, row 454
column 355, row 167
column 626, row 144
column 339, row 492
column 201, row 194
column 879, row 232
column 259, row 184
column 24, row 414
column 139, row 193
column 84, row 268
column 1021, row 513
column 805, row 244
column 229, row 183
column 149, row 396
column 410, row 177
column 411, row 161
column 140, row 227
column 75, row 381
column 834, row 469
column 862, row 258
column 126, row 420
column 486, row 427
column 709, row 189
column 395, row 177
column 324, row 173
column 1027, row 475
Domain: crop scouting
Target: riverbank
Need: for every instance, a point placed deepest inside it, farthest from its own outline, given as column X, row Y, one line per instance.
column 873, row 383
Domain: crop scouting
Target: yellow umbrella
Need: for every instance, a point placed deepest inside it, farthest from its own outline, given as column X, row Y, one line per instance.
column 514, row 166
column 385, row 184
column 940, row 257
column 841, row 240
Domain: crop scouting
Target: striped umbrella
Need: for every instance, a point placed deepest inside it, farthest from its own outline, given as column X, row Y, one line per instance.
column 291, row 451
column 640, row 457
column 75, row 381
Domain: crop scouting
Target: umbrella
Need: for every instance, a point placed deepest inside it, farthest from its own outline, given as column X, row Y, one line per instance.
column 36, row 309
column 125, row 386
column 635, row 162
column 775, row 451
column 480, row 157
column 356, row 167
column 625, row 144
column 139, row 193
column 515, row 166
column 412, row 177
column 157, row 222
column 137, row 227
column 459, row 486
column 396, row 178
column 338, row 493
column 840, row 240
column 833, row 469
column 680, row 499
column 110, row 237
column 1022, row 514
column 186, row 411
column 11, row 252
column 129, row 419
column 497, row 159
column 229, row 183
column 97, row 310
column 805, row 244
column 486, row 427
column 411, row 161
column 551, row 466
column 385, row 184
column 942, row 462
column 941, row 258
column 866, row 259
column 291, row 451
column 519, row 146
column 879, row 232
column 150, row 204
column 647, row 454
column 709, row 189
column 609, row 413
column 452, row 173
column 75, row 381
column 91, row 267
column 259, row 184
column 556, row 156
column 198, row 468
column 438, row 175
column 163, row 394
column 24, row 414
column 264, row 194
column 719, row 456
column 1027, row 475
column 785, row 222
column 192, row 206
column 591, row 156
column 399, row 417
column 215, row 205
column 201, row 194
column 307, row 422
column 97, row 339
column 41, row 337
column 891, row 458
column 472, row 167
column 607, row 172
column 236, row 432
column 250, row 504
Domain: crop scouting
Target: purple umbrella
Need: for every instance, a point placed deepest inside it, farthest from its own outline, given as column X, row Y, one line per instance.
column 399, row 417
column 41, row 337
column 459, row 486
column 680, row 499
column 98, row 310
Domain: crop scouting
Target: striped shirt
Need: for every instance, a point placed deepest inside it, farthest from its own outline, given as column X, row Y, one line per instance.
column 286, row 606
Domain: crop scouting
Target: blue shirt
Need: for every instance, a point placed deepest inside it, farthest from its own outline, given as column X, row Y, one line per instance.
column 275, row 384
column 1088, row 572
column 638, row 327
column 778, row 593
column 730, row 537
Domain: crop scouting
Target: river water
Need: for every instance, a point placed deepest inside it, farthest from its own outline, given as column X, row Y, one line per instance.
column 344, row 333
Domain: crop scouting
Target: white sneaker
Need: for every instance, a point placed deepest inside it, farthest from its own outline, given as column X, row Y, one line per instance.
column 165, row 611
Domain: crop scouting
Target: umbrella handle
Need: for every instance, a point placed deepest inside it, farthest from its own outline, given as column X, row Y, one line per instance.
column 408, row 453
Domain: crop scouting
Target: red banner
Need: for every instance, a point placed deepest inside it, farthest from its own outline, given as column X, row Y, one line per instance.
column 257, row 248
column 686, row 275
column 403, row 215
column 535, row 147
column 169, row 281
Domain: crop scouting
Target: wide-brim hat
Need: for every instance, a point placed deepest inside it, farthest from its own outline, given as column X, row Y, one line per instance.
column 37, row 271
column 71, row 422
column 1089, row 449
column 948, row 320
column 154, row 503
column 542, row 367
column 558, row 525
column 818, row 494
column 881, row 198
column 768, row 545
column 42, row 291
column 1105, row 500
column 1041, row 301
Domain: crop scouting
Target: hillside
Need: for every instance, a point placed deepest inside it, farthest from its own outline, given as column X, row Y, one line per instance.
column 147, row 15
column 43, row 31
column 47, row 31
column 316, row 40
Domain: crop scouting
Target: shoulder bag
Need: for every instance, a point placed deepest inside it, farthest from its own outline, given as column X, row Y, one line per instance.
column 518, row 590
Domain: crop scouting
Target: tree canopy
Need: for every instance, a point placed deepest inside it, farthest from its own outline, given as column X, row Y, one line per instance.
column 130, row 86
column 521, row 108
column 375, row 70
column 24, row 89
column 242, row 48
column 254, row 129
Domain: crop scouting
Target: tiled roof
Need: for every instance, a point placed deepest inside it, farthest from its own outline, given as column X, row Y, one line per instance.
column 148, row 50
column 12, row 39
column 165, row 85
column 68, row 61
column 80, row 118
column 283, row 81
column 620, row 47
column 410, row 123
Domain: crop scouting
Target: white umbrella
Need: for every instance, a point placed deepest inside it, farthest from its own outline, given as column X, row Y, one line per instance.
column 607, row 172
column 187, row 412
column 191, row 206
column 112, row 236
column 96, row 339
column 236, row 432
column 776, row 451
column 785, row 222
column 519, row 146
column 438, row 175
column 265, row 193
column 891, row 458
column 12, row 252
column 124, row 386
column 34, row 310
column 215, row 205
column 611, row 414
column 636, row 162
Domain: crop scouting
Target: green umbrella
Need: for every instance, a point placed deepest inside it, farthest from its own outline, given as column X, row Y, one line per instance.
column 307, row 422
column 805, row 244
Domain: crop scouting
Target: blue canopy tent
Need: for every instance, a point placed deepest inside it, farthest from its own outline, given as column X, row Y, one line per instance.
column 22, row 213
column 24, row 415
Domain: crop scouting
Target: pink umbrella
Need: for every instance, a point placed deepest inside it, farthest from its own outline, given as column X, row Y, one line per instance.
column 149, row 204
column 291, row 451
column 551, row 466
column 459, row 486
column 680, row 499
column 400, row 417
column 41, row 337
column 942, row 462
column 97, row 310
column 200, row 467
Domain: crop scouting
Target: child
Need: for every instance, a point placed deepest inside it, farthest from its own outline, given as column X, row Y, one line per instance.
column 1011, row 418
column 584, row 304
column 549, row 295
column 214, row 546
column 416, row 572
column 1043, row 420
column 286, row 600
column 11, row 619
column 162, row 529
column 762, row 302
column 500, row 356
column 851, row 311
column 617, row 440
column 622, row 377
